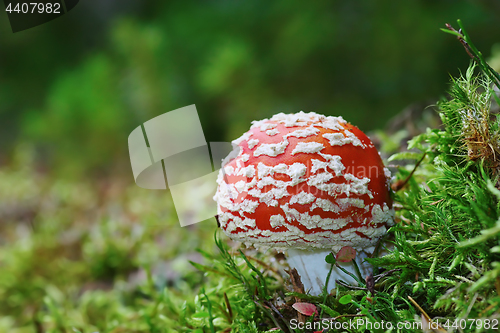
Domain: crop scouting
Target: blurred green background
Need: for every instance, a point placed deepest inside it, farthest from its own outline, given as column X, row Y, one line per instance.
column 75, row 87
column 84, row 249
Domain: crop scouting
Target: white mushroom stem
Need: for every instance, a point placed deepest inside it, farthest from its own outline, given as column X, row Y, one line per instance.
column 313, row 269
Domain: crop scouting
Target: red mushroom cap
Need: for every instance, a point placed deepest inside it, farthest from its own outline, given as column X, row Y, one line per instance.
column 305, row 181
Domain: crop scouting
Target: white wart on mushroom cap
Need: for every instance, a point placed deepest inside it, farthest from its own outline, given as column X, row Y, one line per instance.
column 305, row 181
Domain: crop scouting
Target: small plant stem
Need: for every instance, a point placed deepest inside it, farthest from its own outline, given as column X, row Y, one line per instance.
column 325, row 291
column 349, row 286
column 356, row 268
column 348, row 315
column 209, row 308
column 420, row 309
column 229, row 309
column 262, row 287
column 473, row 52
column 271, row 269
column 350, row 274
column 380, row 276
column 398, row 185
column 362, row 307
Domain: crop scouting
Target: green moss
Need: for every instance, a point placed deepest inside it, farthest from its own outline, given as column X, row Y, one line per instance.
column 75, row 257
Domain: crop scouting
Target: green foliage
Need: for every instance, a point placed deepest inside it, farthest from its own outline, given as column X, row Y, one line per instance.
column 83, row 106
column 75, row 256
column 446, row 239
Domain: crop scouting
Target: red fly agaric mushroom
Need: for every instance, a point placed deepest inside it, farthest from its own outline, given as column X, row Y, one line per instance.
column 308, row 184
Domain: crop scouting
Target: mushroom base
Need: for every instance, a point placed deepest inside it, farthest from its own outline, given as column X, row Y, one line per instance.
column 313, row 269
